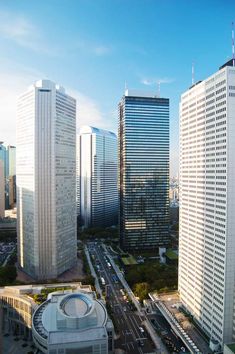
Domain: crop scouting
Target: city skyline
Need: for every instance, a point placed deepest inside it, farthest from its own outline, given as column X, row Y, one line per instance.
column 101, row 61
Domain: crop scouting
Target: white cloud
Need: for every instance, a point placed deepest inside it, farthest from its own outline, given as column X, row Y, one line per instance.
column 88, row 111
column 93, row 48
column 11, row 85
column 101, row 50
column 154, row 81
column 18, row 29
column 15, row 82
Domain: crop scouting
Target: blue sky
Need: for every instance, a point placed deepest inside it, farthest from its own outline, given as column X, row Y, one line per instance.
column 92, row 47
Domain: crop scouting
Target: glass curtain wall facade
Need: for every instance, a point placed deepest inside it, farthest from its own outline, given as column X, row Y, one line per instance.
column 143, row 171
column 97, row 196
column 11, row 176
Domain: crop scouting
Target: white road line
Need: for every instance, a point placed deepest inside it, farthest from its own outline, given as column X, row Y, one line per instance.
column 128, row 323
column 135, row 330
column 137, row 324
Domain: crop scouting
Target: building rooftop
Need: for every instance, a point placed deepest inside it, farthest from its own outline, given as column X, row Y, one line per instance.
column 70, row 317
column 228, row 63
column 86, row 129
column 141, row 93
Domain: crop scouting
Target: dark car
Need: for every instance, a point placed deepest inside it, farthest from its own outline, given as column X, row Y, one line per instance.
column 141, row 343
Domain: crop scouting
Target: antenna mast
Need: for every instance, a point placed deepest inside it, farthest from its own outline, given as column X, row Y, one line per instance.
column 233, row 43
column 193, row 73
column 159, row 88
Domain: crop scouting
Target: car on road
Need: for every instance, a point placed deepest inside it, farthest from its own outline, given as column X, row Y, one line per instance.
column 154, row 323
column 141, row 343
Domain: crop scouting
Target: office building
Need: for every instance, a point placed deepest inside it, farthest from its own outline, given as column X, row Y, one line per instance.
column 207, row 206
column 46, row 180
column 7, row 156
column 3, row 172
column 10, row 176
column 2, row 190
column 97, row 196
column 11, row 191
column 143, row 170
column 3, row 158
column 11, row 160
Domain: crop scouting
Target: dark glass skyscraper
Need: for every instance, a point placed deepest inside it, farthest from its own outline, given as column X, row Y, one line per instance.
column 143, row 170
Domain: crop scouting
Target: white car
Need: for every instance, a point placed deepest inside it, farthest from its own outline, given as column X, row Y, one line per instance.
column 141, row 329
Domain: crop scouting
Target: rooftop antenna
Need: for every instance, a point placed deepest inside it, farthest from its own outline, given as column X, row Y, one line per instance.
column 193, row 79
column 159, row 88
column 233, row 43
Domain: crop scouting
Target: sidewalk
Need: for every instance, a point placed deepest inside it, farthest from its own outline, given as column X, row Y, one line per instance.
column 156, row 340
column 93, row 273
column 160, row 347
column 124, row 283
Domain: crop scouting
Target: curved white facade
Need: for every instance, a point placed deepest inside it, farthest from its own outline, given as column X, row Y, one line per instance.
column 74, row 322
column 97, row 197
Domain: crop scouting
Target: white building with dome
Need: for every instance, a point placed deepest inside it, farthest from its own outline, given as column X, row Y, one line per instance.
column 72, row 322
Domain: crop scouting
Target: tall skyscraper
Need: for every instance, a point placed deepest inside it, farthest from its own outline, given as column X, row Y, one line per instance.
column 2, row 190
column 3, row 179
column 11, row 160
column 97, row 197
column 143, row 170
column 10, row 176
column 46, row 180
column 3, row 157
column 207, row 204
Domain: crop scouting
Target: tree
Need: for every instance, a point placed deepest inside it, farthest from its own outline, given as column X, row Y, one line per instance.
column 141, row 290
column 8, row 274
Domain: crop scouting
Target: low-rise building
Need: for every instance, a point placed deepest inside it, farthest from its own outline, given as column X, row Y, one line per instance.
column 72, row 322
column 69, row 321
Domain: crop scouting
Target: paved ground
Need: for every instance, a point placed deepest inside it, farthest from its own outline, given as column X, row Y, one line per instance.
column 12, row 346
column 169, row 337
column 74, row 273
column 131, row 338
column 172, row 302
column 71, row 275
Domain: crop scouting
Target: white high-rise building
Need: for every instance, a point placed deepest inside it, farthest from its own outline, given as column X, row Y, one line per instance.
column 207, row 203
column 97, row 196
column 46, row 180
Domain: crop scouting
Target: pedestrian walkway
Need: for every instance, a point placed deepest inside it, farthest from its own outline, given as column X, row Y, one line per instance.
column 156, row 340
column 124, row 282
column 93, row 273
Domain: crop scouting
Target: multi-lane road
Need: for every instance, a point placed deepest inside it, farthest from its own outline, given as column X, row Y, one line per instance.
column 132, row 336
